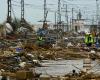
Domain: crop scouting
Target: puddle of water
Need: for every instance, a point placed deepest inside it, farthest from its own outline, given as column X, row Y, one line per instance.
column 63, row 67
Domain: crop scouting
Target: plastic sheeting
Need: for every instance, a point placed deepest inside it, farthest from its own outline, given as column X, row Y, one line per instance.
column 8, row 28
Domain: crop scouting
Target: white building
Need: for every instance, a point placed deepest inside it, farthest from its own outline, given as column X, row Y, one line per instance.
column 79, row 25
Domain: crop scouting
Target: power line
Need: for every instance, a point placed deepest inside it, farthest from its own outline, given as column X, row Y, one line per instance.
column 27, row 4
column 16, row 5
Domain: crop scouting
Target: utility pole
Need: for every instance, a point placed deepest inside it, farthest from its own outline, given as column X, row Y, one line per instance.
column 97, row 20
column 97, row 11
column 59, row 11
column 45, row 11
column 22, row 13
column 59, row 26
column 70, row 24
column 55, row 20
column 72, row 18
column 9, row 11
column 93, row 21
column 97, row 14
column 79, row 15
column 45, row 26
column 66, row 16
column 59, row 20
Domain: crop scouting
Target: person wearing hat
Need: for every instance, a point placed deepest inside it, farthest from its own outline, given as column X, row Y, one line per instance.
column 89, row 40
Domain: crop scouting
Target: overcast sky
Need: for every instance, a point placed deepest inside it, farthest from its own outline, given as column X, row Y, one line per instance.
column 34, row 12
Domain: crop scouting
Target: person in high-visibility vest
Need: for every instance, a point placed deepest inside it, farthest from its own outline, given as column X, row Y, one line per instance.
column 40, row 38
column 89, row 40
column 86, row 38
column 40, row 41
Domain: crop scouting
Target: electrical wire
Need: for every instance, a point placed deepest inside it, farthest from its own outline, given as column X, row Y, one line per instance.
column 16, row 5
column 27, row 4
column 51, row 10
